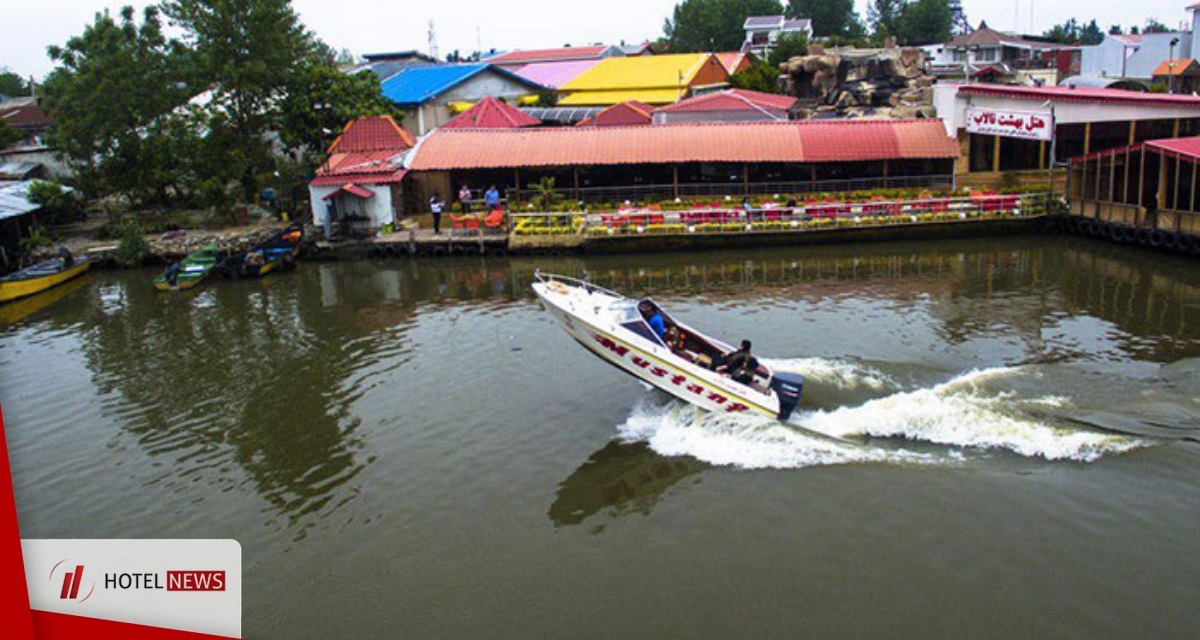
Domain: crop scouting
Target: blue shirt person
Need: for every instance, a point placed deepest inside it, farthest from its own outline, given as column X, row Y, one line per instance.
column 492, row 198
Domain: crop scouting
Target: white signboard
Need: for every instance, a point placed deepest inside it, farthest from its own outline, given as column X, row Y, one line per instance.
column 1028, row 125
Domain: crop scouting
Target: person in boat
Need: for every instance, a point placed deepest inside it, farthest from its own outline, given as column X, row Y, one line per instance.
column 67, row 257
column 653, row 318
column 740, row 364
column 674, row 338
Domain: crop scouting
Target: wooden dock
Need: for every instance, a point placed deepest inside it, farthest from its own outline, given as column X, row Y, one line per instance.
column 413, row 242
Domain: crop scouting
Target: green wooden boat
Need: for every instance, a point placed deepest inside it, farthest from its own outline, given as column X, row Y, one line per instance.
column 191, row 271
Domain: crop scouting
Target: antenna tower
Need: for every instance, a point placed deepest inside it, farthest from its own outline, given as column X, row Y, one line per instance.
column 433, row 48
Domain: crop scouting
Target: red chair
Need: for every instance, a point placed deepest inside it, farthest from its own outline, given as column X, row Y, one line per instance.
column 494, row 220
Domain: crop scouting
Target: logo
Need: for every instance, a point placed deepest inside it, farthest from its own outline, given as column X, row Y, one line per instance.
column 71, row 582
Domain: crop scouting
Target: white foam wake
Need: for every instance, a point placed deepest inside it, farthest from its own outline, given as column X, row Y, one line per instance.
column 960, row 413
column 834, row 373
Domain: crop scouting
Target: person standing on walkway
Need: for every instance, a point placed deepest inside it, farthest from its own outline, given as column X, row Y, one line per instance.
column 435, row 207
column 492, row 198
column 464, row 199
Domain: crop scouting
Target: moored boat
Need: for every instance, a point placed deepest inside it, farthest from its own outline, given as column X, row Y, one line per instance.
column 274, row 254
column 190, row 271
column 41, row 276
column 680, row 361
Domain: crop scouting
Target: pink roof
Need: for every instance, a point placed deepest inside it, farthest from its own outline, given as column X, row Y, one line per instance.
column 732, row 100
column 731, row 60
column 562, row 53
column 1129, row 38
column 623, row 114
column 555, row 74
column 491, row 113
column 791, row 142
column 1187, row 147
column 1082, row 94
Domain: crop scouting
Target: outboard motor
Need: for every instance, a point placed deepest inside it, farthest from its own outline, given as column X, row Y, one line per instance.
column 788, row 387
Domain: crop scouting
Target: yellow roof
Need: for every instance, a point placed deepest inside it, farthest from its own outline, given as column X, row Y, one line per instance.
column 639, row 72
column 605, row 98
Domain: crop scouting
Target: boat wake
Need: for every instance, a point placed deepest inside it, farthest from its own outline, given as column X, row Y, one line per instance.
column 971, row 413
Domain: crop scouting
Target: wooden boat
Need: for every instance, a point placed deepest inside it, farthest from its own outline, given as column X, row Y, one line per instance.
column 13, row 312
column 277, row 253
column 41, row 276
column 191, row 271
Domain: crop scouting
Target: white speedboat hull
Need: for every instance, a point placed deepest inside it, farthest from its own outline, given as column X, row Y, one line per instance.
column 585, row 314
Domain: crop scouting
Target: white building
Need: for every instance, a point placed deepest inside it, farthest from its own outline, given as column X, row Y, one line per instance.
column 762, row 32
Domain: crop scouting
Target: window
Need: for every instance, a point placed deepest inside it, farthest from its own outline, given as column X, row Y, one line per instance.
column 986, row 55
column 957, row 55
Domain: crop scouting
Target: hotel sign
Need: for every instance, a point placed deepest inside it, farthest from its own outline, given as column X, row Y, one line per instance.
column 1028, row 125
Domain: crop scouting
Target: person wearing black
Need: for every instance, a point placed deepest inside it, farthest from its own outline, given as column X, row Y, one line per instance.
column 739, row 364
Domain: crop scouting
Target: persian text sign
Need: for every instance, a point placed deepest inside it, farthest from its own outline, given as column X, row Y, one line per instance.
column 1028, row 125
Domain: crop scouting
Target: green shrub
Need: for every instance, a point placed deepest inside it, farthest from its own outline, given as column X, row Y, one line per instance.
column 132, row 250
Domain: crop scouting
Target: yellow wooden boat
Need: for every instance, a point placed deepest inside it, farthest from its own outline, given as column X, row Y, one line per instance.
column 39, row 277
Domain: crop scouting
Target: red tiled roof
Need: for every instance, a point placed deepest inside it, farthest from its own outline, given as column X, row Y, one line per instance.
column 562, row 53
column 835, row 141
column 491, row 113
column 623, row 114
column 1082, row 94
column 732, row 100
column 376, row 133
column 731, row 60
column 351, row 189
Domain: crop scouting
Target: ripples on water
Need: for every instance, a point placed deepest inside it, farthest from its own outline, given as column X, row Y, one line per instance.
column 433, row 398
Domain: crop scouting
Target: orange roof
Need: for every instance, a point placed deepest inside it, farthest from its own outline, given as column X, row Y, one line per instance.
column 833, row 141
column 733, row 61
column 1177, row 68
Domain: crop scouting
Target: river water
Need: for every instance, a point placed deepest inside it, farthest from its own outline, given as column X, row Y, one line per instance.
column 412, row 448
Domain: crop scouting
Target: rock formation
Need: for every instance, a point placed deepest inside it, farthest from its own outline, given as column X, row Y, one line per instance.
column 860, row 83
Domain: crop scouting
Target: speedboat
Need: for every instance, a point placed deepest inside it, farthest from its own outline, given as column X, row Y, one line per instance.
column 617, row 329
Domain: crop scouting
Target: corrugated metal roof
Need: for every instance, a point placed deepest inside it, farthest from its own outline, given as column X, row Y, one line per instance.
column 417, row 85
column 562, row 115
column 375, row 133
column 1082, row 94
column 733, row 100
column 491, row 113
column 648, row 96
column 639, row 72
column 623, row 114
column 561, row 53
column 836, row 141
column 763, row 22
column 1176, row 67
column 358, row 178
column 1187, row 147
column 554, row 74
column 14, row 199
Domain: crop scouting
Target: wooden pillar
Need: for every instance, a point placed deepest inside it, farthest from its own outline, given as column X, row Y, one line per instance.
column 996, row 154
column 1162, row 182
column 885, row 174
column 1175, row 190
column 745, row 178
column 575, row 174
column 1175, row 129
column 1125, row 191
column 1041, row 154
column 1099, row 168
column 1132, row 131
column 517, row 184
column 1141, row 185
column 1112, row 177
column 675, row 179
column 1087, row 138
column 1083, row 176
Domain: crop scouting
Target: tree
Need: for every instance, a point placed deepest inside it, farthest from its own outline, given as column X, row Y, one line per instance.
column 1154, row 26
column 244, row 54
column 884, row 17
column 1065, row 33
column 11, row 84
column 9, row 135
column 713, row 25
column 1091, row 34
column 925, row 21
column 760, row 76
column 112, row 86
column 829, row 17
column 1114, row 30
column 339, row 98
column 788, row 46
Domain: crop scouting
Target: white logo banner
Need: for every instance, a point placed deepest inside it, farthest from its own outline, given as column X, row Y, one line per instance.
column 1029, row 125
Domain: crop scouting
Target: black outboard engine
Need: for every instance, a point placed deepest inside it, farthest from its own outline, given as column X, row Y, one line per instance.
column 788, row 387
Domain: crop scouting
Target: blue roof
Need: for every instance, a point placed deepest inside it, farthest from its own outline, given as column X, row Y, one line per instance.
column 417, row 85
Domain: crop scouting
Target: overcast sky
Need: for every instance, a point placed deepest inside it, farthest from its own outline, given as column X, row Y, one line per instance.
column 365, row 26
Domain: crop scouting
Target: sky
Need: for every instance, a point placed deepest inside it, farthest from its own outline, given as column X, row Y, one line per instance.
column 365, row 26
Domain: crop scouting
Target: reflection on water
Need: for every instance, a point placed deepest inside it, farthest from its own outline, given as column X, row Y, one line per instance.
column 622, row 477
